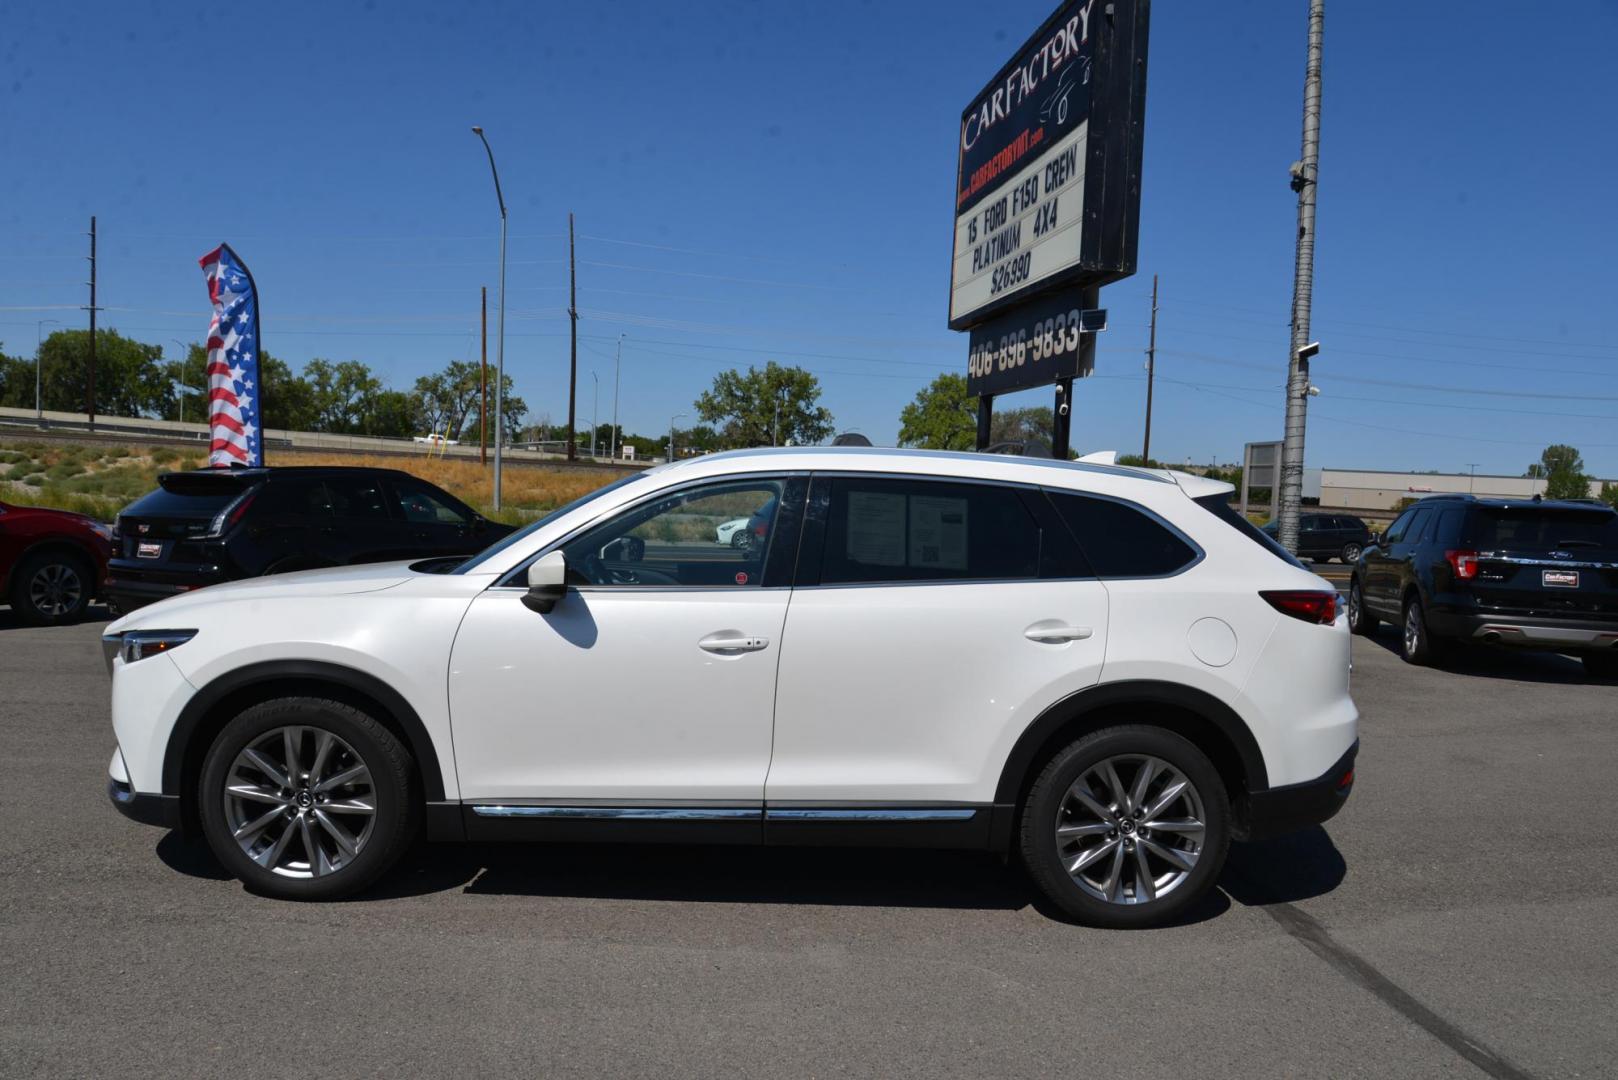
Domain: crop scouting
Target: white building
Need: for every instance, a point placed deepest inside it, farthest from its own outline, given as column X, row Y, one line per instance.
column 1371, row 490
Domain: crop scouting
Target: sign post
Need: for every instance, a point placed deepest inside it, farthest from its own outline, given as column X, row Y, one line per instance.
column 1047, row 203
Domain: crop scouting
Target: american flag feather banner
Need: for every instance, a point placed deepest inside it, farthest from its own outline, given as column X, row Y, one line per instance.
column 233, row 385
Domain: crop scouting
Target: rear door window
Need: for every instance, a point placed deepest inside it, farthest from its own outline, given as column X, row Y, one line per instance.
column 1122, row 540
column 422, row 504
column 891, row 530
column 356, row 497
column 1418, row 526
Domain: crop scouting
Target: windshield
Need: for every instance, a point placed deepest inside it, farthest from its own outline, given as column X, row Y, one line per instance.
column 500, row 545
column 1533, row 529
column 1219, row 506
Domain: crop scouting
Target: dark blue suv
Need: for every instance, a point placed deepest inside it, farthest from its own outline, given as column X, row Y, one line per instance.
column 1529, row 573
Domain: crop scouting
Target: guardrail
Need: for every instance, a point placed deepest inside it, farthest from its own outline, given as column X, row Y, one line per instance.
column 24, row 421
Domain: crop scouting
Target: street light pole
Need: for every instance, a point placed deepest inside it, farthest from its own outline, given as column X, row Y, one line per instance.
column 1472, row 477
column 617, row 365
column 179, row 392
column 673, row 418
column 39, row 410
column 595, row 411
column 500, row 332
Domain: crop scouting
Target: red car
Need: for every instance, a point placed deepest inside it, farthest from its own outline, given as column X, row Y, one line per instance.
column 52, row 563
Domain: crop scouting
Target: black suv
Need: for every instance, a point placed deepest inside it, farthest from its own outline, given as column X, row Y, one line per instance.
column 1329, row 536
column 213, row 525
column 1504, row 571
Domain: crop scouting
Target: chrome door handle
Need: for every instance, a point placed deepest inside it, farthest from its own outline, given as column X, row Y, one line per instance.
column 1051, row 632
column 728, row 642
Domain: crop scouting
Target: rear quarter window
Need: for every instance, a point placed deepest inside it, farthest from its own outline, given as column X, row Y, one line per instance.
column 1122, row 540
column 1219, row 506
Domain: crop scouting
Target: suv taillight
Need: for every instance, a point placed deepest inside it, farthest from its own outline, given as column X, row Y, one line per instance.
column 228, row 517
column 1308, row 605
column 1464, row 563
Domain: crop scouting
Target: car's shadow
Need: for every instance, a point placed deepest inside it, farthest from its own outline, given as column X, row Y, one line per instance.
column 1498, row 661
column 1296, row 867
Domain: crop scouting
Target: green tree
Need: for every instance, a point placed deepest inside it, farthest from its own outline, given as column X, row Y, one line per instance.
column 761, row 408
column 1564, row 473
column 943, row 416
column 343, row 393
column 512, row 406
column 1609, row 493
column 1022, row 425
column 131, row 377
column 391, row 414
column 450, row 399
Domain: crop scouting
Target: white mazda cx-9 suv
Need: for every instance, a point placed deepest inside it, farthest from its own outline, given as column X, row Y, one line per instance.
column 1101, row 670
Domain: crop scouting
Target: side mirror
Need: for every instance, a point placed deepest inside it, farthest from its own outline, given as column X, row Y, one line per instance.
column 1376, row 539
column 547, row 582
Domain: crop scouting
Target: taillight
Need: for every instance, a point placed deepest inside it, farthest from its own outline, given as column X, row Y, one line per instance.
column 1464, row 563
column 1310, row 606
column 227, row 518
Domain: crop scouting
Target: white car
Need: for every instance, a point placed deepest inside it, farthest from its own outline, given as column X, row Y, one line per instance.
column 732, row 533
column 1101, row 670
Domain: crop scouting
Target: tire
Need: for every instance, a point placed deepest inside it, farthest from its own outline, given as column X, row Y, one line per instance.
column 739, row 539
column 275, row 860
column 1601, row 665
column 1351, row 553
column 1360, row 620
column 1167, row 888
column 51, row 588
column 1418, row 646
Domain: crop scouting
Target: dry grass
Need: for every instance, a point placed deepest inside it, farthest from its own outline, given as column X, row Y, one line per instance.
column 101, row 481
column 529, row 489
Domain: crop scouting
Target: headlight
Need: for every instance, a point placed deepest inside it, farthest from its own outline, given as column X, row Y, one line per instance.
column 103, row 531
column 135, row 645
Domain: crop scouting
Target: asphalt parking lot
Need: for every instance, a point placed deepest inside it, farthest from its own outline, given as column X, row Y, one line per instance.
column 1460, row 918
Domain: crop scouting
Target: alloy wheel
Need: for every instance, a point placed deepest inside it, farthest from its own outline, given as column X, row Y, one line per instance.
column 1130, row 829
column 1351, row 553
column 1413, row 629
column 1354, row 605
column 300, row 802
column 55, row 590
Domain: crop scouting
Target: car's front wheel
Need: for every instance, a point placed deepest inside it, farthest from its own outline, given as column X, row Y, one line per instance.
column 1351, row 553
column 51, row 588
column 307, row 799
column 1126, row 827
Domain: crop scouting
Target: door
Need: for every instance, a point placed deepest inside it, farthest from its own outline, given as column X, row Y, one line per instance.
column 1375, row 587
column 435, row 523
column 922, row 639
column 652, row 682
column 1314, row 539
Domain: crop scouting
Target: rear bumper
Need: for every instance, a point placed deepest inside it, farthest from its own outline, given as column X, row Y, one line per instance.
column 1298, row 806
column 1527, row 631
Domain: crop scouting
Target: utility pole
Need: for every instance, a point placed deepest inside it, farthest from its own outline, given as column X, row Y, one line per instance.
column 1471, row 478
column 595, row 410
column 90, row 385
column 775, row 429
column 617, row 365
column 1305, row 180
column 573, row 352
column 483, row 380
column 1151, row 366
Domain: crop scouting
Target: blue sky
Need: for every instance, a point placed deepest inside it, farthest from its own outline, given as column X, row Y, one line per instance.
column 758, row 181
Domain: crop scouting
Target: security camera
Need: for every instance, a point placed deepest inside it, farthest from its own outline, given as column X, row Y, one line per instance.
column 1314, row 391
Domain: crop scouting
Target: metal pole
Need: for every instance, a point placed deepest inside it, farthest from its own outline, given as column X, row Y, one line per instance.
column 673, row 418
column 595, row 411
column 1151, row 367
column 500, row 333
column 90, row 386
column 617, row 364
column 775, row 430
column 39, row 342
column 573, row 351
column 985, row 421
column 1472, row 477
column 1305, row 180
column 483, row 377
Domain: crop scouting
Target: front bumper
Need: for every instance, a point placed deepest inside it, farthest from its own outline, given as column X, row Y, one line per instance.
column 160, row 810
column 1297, row 806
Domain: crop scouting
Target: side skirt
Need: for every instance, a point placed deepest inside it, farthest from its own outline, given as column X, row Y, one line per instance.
column 966, row 827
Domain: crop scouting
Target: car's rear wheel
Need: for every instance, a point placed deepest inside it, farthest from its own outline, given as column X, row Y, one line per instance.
column 307, row 799
column 1351, row 553
column 1360, row 620
column 1420, row 647
column 1126, row 827
column 1601, row 665
column 51, row 588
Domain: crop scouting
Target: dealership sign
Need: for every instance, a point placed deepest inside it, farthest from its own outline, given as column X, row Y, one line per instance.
column 1047, row 193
